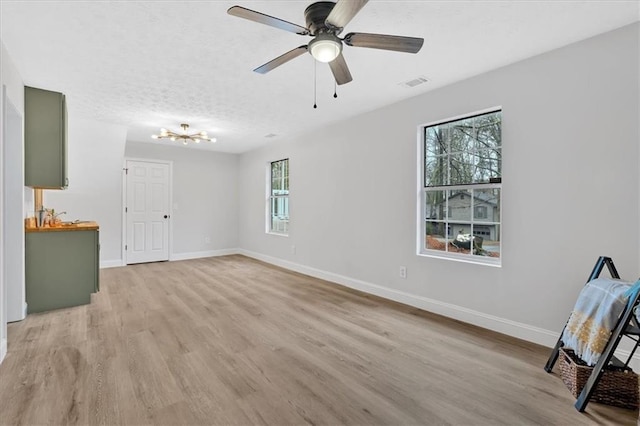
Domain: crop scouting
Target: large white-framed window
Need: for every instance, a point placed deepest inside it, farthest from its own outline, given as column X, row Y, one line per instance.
column 278, row 197
column 461, row 188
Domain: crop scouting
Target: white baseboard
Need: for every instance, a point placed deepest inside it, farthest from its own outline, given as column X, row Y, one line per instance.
column 111, row 263
column 511, row 328
column 174, row 256
column 3, row 349
column 201, row 254
column 501, row 325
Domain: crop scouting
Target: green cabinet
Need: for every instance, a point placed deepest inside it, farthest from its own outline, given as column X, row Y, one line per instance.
column 45, row 139
column 61, row 268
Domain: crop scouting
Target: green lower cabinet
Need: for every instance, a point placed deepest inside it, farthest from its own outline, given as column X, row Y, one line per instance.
column 61, row 268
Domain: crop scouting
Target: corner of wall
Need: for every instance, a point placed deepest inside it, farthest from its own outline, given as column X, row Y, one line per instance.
column 111, row 263
column 3, row 349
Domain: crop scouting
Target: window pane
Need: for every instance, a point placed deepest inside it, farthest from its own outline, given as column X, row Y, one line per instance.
column 436, row 236
column 487, row 203
column 461, row 237
column 275, row 178
column 436, row 170
column 462, row 135
column 436, row 205
column 461, row 168
column 280, row 214
column 474, row 147
column 280, row 177
column 487, row 240
column 434, row 140
column 285, row 176
column 460, row 206
column 489, row 130
column 488, row 164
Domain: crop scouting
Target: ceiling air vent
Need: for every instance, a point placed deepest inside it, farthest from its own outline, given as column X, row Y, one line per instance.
column 415, row 82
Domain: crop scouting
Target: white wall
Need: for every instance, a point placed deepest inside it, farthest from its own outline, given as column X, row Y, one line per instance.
column 205, row 187
column 13, row 90
column 95, row 153
column 570, row 191
column 13, row 223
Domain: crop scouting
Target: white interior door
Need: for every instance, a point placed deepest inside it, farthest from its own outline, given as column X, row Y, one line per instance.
column 147, row 212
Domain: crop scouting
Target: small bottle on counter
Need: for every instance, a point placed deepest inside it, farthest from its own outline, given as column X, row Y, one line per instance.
column 42, row 215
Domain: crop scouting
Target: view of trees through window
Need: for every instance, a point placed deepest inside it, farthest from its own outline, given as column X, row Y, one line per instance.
column 462, row 185
column 279, row 197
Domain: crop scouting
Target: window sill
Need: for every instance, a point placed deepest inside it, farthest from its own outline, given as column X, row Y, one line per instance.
column 277, row 234
column 476, row 260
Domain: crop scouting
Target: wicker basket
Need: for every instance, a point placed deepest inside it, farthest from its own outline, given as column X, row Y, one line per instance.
column 617, row 386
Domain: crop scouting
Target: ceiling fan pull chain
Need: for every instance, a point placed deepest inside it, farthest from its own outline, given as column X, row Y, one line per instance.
column 315, row 84
column 335, row 89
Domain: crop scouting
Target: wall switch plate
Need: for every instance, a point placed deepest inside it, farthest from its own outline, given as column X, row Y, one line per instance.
column 403, row 272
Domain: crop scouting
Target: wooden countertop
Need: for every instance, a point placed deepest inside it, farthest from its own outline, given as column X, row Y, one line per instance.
column 80, row 226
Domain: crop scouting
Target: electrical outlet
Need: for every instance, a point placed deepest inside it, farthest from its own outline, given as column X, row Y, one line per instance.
column 403, row 272
column 293, row 249
column 207, row 240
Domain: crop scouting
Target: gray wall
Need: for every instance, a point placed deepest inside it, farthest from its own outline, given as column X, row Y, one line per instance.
column 570, row 191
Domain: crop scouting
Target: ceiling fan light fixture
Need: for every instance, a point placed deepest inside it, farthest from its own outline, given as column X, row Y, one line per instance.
column 325, row 47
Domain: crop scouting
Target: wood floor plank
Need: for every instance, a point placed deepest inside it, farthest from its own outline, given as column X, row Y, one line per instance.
column 233, row 341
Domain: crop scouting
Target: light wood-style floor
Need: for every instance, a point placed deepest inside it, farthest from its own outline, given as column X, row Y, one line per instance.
column 230, row 340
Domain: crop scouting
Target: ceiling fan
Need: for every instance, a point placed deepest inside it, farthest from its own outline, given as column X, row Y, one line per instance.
column 325, row 21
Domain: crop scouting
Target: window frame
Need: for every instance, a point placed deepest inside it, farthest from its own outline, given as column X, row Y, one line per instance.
column 271, row 197
column 422, row 190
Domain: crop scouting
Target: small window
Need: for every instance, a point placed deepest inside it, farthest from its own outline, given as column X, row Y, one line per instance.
column 460, row 198
column 278, row 199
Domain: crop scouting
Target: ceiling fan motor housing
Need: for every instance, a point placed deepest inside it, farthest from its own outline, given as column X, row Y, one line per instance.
column 315, row 16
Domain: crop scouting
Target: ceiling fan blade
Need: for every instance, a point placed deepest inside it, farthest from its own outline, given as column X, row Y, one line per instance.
column 343, row 12
column 252, row 15
column 340, row 70
column 274, row 63
column 385, row 42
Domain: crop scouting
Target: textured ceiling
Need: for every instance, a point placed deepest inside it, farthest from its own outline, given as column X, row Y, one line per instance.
column 152, row 64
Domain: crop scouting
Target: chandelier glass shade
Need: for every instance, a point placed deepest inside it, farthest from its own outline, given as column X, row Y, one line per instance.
column 185, row 137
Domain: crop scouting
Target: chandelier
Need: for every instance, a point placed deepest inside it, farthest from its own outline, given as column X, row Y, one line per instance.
column 184, row 136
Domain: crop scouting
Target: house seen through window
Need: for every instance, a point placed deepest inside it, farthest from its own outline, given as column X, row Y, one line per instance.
column 278, row 203
column 462, row 182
